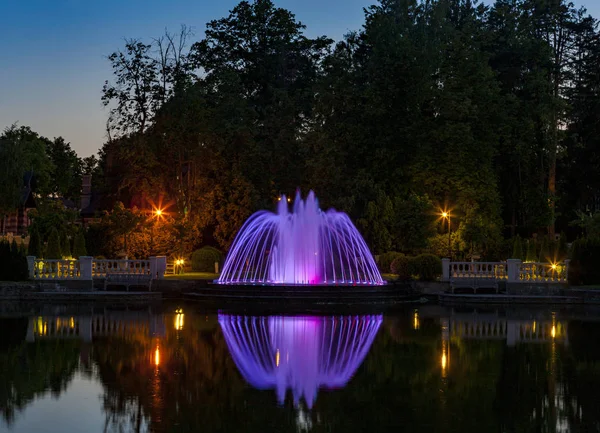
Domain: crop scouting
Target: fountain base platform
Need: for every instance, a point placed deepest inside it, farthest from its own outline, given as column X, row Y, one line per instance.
column 332, row 294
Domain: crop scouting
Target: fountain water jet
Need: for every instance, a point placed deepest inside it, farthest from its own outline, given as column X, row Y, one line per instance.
column 305, row 247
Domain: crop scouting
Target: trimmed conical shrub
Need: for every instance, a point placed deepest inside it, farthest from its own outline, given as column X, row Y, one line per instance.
column 545, row 256
column 531, row 256
column 79, row 245
column 4, row 260
column 65, row 246
column 53, row 250
column 517, row 248
column 35, row 244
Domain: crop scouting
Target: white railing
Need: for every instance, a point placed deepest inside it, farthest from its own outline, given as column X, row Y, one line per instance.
column 86, row 268
column 101, row 268
column 478, row 270
column 543, row 272
column 512, row 271
column 56, row 269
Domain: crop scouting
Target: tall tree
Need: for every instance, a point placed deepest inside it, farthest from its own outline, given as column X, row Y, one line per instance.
column 66, row 169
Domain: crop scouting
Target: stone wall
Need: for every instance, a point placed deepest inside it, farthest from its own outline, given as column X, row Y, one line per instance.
column 536, row 289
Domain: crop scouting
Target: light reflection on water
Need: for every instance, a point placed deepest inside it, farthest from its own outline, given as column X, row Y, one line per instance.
column 425, row 369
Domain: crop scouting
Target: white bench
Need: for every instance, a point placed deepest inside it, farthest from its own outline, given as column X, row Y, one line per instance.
column 126, row 279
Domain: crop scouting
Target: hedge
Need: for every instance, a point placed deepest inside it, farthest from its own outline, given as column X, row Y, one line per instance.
column 203, row 260
column 385, row 261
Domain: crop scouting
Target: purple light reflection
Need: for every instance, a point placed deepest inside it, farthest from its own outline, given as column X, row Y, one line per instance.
column 299, row 353
column 306, row 247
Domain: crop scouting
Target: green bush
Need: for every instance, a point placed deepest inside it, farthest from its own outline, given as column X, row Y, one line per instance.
column 35, row 244
column 53, row 251
column 79, row 245
column 531, row 255
column 65, row 246
column 585, row 256
column 15, row 263
column 203, row 260
column 517, row 252
column 385, row 261
column 403, row 267
column 427, row 267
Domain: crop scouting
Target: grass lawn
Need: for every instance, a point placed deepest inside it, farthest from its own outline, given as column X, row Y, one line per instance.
column 193, row 276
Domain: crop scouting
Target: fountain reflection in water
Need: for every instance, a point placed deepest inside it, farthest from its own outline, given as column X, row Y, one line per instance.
column 299, row 353
column 306, row 247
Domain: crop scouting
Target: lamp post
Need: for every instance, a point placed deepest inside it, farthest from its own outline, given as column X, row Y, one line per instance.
column 157, row 213
column 446, row 214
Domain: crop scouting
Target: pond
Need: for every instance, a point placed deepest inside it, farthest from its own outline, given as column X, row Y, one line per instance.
column 179, row 368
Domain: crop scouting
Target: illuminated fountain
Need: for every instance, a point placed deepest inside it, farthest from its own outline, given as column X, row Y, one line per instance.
column 305, row 247
column 298, row 353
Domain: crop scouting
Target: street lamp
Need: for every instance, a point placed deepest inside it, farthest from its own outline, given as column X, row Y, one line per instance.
column 157, row 213
column 446, row 215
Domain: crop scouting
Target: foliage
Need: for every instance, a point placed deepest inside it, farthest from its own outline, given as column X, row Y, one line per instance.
column 51, row 214
column 122, row 222
column 65, row 246
column 517, row 252
column 585, row 256
column 427, row 267
column 562, row 248
column 403, row 267
column 386, row 259
column 53, row 247
column 79, row 245
column 14, row 262
column 203, row 260
column 22, row 152
column 491, row 111
column 35, row 243
column 531, row 255
column 66, row 169
column 545, row 256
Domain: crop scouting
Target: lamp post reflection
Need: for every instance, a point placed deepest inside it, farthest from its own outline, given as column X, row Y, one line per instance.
column 445, row 358
column 179, row 319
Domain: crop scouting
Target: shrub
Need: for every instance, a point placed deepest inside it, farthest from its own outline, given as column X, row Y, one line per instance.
column 427, row 267
column 35, row 244
column 545, row 249
column 403, row 267
column 53, row 251
column 79, row 245
column 517, row 252
column 15, row 263
column 385, row 261
column 531, row 256
column 585, row 255
column 203, row 260
column 65, row 246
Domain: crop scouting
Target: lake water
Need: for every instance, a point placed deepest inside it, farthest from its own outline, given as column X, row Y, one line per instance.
column 179, row 368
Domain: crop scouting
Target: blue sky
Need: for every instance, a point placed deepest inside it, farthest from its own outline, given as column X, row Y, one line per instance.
column 53, row 62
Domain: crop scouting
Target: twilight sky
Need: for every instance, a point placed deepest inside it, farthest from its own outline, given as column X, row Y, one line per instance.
column 53, row 52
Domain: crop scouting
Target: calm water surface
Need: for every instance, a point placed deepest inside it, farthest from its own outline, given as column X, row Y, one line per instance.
column 180, row 369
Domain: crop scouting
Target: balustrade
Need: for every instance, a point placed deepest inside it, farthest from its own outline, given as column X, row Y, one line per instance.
column 543, row 272
column 478, row 270
column 512, row 271
column 87, row 268
column 101, row 268
column 56, row 269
